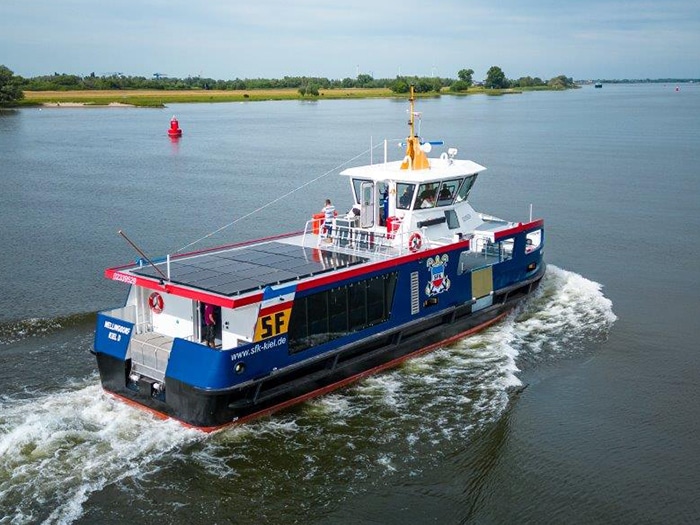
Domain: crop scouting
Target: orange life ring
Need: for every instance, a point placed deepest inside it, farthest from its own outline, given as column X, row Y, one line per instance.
column 415, row 242
column 155, row 302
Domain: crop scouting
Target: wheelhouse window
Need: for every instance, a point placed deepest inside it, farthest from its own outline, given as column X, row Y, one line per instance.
column 328, row 315
column 448, row 191
column 465, row 188
column 426, row 196
column 357, row 188
column 404, row 195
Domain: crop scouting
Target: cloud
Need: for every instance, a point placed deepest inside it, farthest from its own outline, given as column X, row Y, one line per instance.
column 273, row 38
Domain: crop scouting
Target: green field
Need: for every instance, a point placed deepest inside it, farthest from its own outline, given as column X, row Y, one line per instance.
column 159, row 98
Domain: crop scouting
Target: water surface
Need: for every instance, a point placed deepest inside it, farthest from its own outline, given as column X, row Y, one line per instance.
column 580, row 407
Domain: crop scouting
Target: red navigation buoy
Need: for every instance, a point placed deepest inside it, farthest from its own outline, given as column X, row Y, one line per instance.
column 174, row 130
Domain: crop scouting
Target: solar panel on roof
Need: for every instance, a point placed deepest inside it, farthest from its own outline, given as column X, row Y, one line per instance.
column 239, row 270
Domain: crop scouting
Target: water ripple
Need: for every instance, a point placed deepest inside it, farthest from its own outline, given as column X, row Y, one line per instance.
column 57, row 450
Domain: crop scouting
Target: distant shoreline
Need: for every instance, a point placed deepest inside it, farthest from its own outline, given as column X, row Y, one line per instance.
column 159, row 98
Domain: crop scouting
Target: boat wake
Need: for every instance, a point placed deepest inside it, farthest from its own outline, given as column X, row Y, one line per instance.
column 58, row 449
column 15, row 331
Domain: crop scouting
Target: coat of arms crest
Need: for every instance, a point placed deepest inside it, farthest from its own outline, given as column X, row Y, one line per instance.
column 439, row 281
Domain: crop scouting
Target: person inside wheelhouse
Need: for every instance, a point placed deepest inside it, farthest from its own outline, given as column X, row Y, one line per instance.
column 426, row 196
column 404, row 195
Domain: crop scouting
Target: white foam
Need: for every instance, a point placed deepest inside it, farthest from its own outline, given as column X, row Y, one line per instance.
column 58, row 449
column 443, row 396
column 476, row 374
column 386, row 461
column 383, row 388
column 567, row 309
column 334, row 404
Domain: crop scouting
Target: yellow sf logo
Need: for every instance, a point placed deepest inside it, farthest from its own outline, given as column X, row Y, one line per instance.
column 273, row 324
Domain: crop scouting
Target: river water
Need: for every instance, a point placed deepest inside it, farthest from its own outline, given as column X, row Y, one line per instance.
column 580, row 407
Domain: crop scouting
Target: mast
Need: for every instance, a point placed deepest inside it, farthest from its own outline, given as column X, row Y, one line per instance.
column 415, row 158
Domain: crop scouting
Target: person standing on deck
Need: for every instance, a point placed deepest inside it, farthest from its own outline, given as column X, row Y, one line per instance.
column 328, row 215
column 210, row 325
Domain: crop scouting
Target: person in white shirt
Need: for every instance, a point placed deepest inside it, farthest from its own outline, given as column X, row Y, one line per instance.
column 328, row 216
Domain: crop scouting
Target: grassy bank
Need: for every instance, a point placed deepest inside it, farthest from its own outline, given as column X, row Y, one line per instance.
column 157, row 98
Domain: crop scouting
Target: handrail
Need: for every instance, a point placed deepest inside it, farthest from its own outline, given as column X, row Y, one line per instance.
column 382, row 244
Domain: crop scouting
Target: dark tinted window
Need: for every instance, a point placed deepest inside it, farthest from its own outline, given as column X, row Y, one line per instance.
column 324, row 316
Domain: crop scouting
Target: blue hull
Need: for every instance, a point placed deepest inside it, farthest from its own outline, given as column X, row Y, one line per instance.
column 202, row 389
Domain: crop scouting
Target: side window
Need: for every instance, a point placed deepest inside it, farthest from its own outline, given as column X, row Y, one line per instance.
column 328, row 315
column 404, row 195
column 356, row 188
column 533, row 240
column 497, row 251
column 383, row 189
column 463, row 193
column 452, row 220
column 506, row 249
column 448, row 191
column 426, row 196
column 383, row 196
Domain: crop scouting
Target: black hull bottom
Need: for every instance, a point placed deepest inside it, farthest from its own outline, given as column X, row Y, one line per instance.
column 213, row 409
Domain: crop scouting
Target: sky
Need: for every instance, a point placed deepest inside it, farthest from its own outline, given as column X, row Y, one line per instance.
column 227, row 39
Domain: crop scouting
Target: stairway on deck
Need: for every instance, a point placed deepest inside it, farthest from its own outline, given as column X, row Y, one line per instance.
column 150, row 353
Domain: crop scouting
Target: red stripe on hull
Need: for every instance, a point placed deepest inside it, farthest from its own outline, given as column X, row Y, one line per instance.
column 519, row 228
column 321, row 280
column 180, row 291
column 360, row 270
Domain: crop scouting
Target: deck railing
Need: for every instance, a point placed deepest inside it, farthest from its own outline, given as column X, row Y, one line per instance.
column 383, row 244
column 364, row 240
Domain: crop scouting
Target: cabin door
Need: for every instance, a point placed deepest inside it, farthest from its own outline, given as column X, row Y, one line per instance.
column 367, row 204
column 202, row 322
column 198, row 316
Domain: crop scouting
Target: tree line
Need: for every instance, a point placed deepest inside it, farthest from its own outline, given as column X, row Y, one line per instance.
column 11, row 86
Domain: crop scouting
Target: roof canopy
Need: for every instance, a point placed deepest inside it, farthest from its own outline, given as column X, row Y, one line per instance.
column 440, row 169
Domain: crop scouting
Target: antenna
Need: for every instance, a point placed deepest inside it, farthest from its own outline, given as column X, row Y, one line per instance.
column 415, row 158
column 143, row 255
column 411, row 112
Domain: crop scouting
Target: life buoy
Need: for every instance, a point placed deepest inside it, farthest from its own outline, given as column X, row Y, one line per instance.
column 155, row 302
column 415, row 242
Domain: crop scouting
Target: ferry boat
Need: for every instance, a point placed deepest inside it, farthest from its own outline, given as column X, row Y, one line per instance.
column 413, row 267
